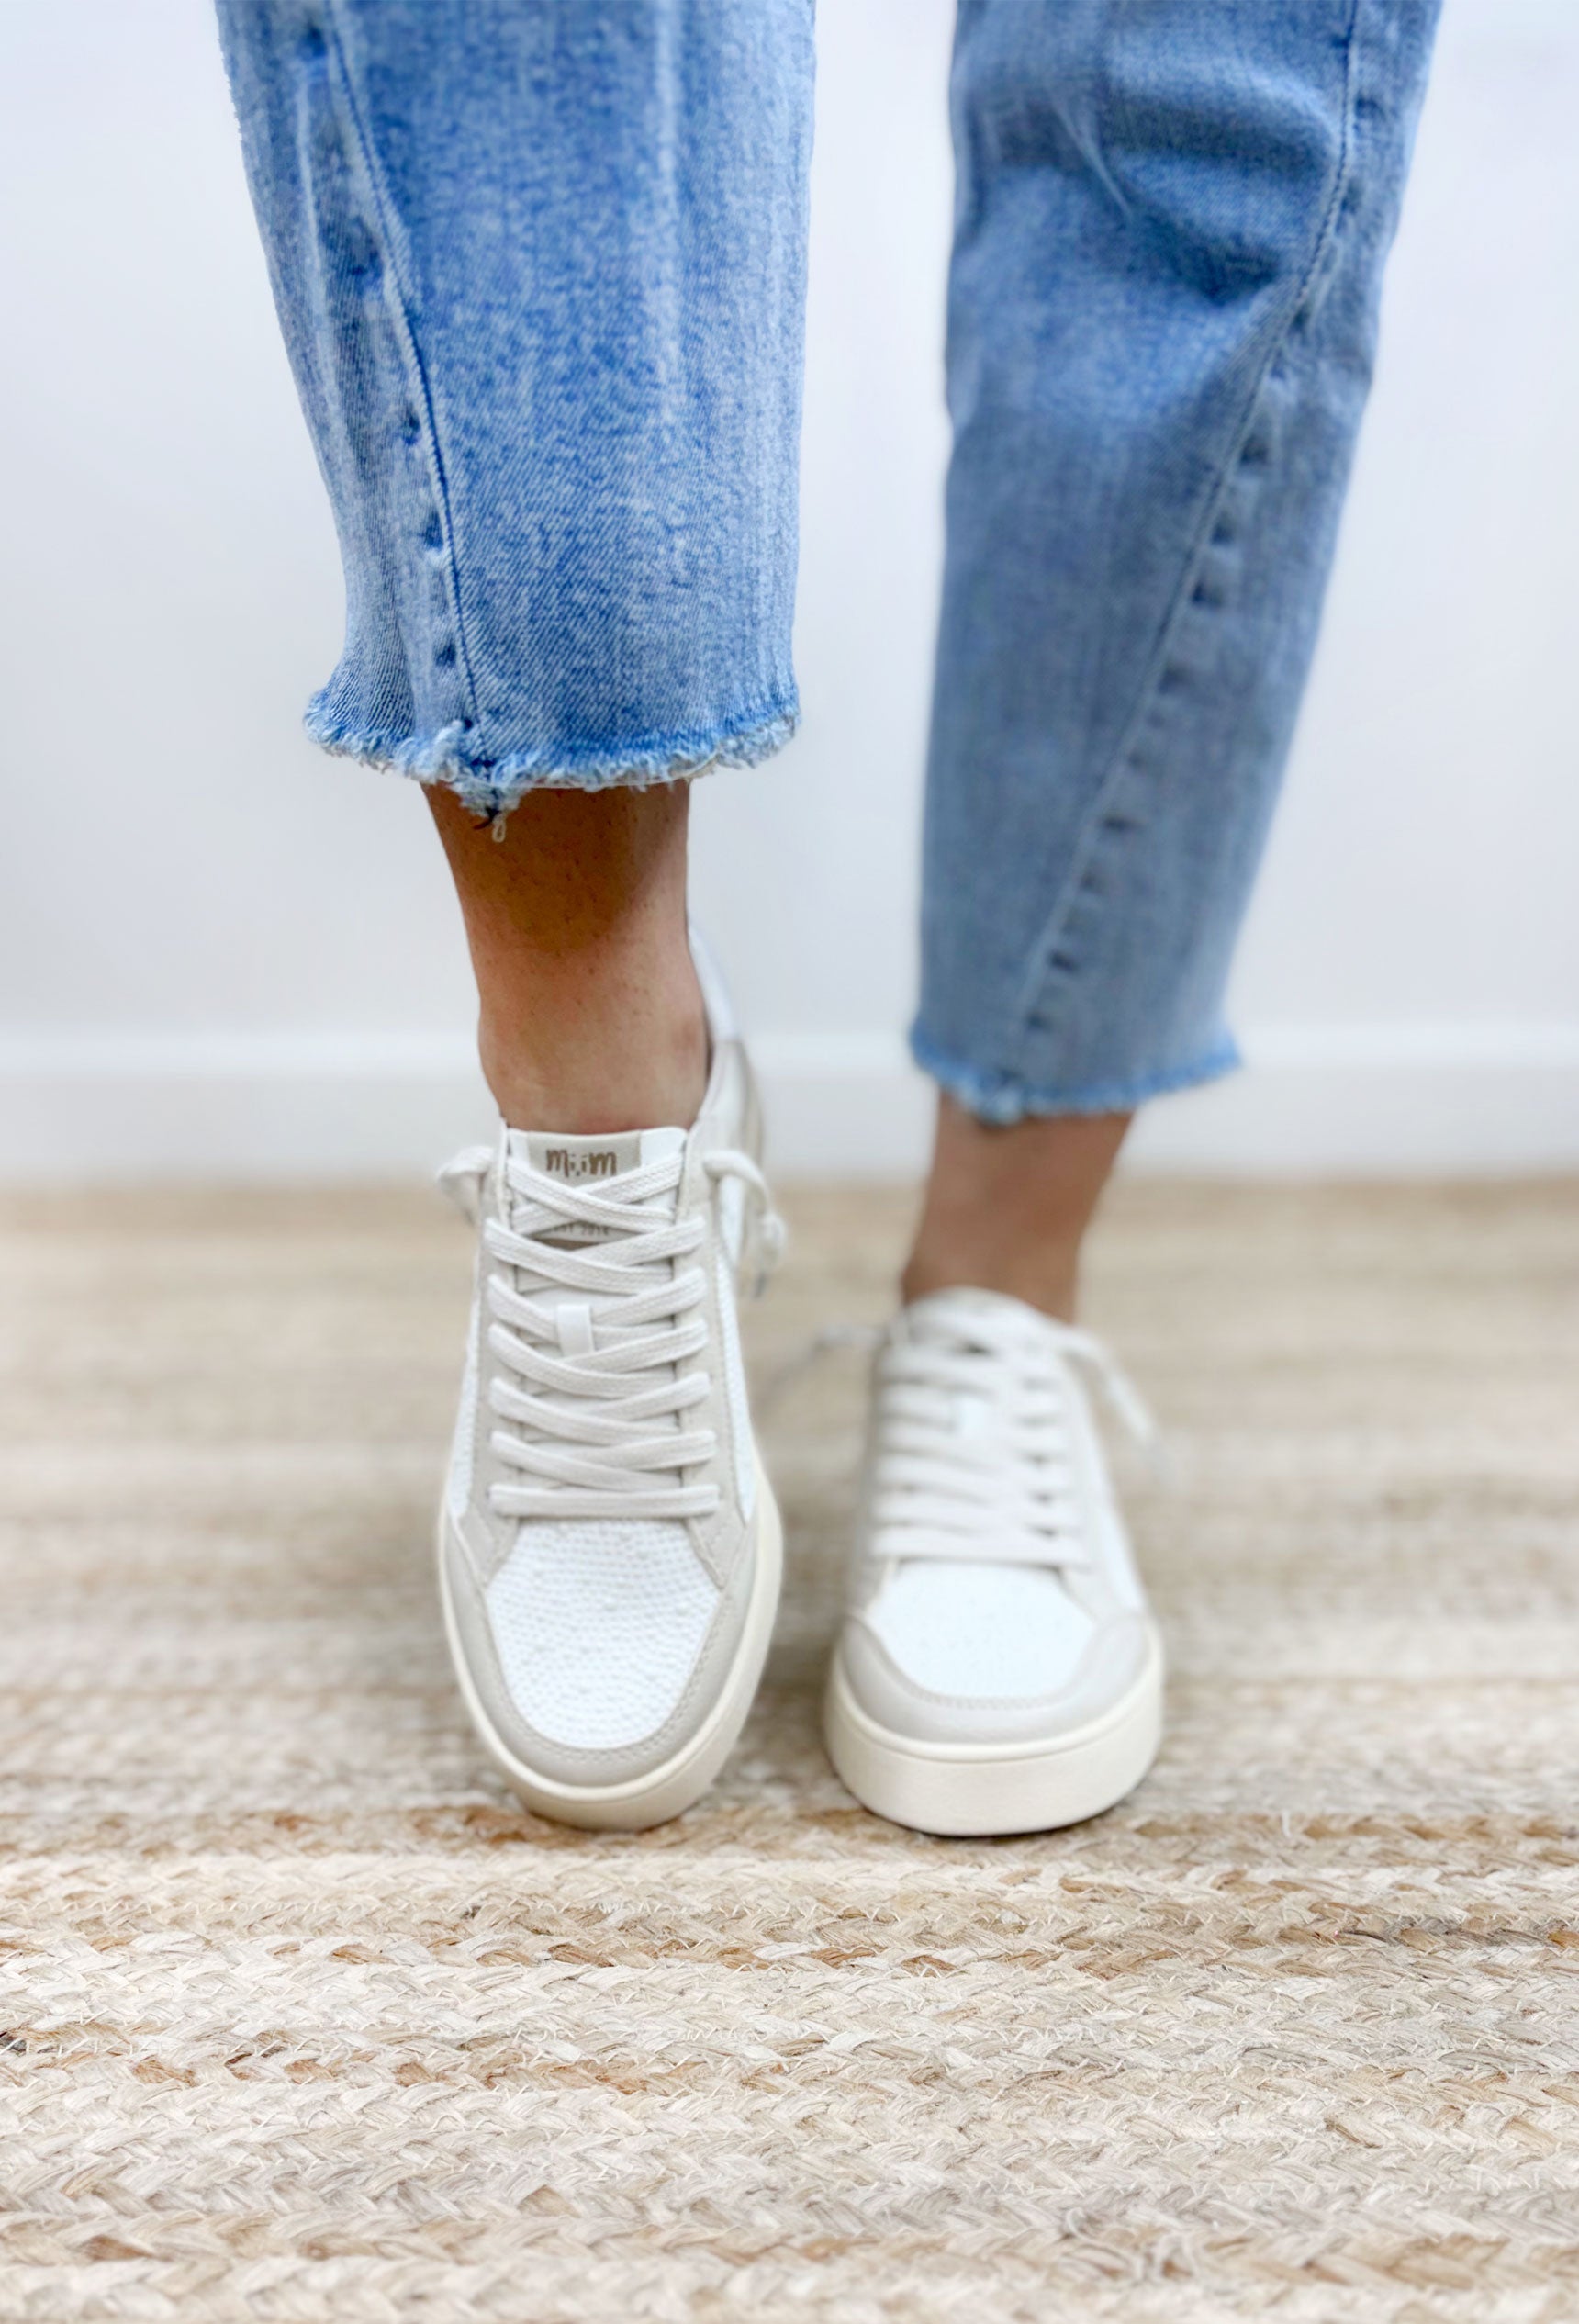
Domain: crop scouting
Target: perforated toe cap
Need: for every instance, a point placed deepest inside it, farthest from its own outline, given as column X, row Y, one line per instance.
column 979, row 1653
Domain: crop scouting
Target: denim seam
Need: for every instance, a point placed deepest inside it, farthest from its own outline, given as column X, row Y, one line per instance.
column 494, row 791
column 1088, row 838
column 1001, row 1100
column 398, row 303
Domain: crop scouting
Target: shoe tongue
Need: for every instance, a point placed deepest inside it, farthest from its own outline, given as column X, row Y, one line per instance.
column 977, row 1320
column 965, row 1305
column 593, row 1163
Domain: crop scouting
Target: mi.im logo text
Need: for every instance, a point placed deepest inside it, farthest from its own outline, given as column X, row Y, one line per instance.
column 560, row 1163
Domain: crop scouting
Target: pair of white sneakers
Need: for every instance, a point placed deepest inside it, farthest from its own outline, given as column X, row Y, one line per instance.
column 610, row 1550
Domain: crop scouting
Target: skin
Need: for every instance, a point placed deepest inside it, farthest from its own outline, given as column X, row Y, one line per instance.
column 590, row 1014
column 1006, row 1209
column 591, row 1019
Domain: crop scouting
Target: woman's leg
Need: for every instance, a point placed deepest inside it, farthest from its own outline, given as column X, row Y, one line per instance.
column 590, row 1014
column 1171, row 225
column 1006, row 1209
column 540, row 272
column 1171, row 228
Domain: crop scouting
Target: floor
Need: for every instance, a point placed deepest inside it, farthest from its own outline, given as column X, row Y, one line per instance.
column 305, row 2019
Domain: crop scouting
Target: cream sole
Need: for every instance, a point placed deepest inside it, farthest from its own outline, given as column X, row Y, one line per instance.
column 680, row 1781
column 979, row 1791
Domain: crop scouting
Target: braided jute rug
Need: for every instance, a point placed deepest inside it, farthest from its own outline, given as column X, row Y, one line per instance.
column 307, row 2019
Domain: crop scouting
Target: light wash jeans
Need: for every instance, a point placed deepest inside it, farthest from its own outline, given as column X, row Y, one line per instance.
column 540, row 265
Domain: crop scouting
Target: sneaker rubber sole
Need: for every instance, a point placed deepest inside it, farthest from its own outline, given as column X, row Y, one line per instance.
column 983, row 1791
column 679, row 1782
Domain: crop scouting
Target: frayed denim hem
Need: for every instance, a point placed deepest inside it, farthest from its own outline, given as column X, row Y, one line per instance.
column 492, row 787
column 1001, row 1099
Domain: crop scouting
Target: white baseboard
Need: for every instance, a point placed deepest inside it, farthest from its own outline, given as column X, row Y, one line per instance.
column 1377, row 1101
column 236, row 1106
column 1320, row 1100
column 1340, row 1101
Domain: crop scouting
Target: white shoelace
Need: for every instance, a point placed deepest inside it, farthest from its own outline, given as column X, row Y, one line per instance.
column 595, row 1342
column 974, row 1454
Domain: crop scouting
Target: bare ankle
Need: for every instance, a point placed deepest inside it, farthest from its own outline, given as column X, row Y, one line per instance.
column 590, row 1018
column 1051, row 1284
column 598, row 1051
column 1006, row 1209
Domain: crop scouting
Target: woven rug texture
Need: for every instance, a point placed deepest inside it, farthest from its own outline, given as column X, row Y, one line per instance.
column 305, row 2019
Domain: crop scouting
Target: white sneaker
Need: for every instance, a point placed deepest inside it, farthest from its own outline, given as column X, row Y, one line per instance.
column 609, row 1546
column 997, row 1670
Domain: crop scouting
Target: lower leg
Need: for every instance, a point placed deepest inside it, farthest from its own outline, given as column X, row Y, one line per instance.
column 591, row 1018
column 1006, row 1209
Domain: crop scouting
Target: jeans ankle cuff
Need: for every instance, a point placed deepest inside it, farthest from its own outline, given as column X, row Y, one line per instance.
column 1002, row 1098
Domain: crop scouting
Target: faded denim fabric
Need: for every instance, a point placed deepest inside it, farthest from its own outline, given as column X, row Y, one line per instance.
column 539, row 266
column 1170, row 233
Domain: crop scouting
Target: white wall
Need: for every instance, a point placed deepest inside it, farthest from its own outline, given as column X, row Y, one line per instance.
column 218, row 951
